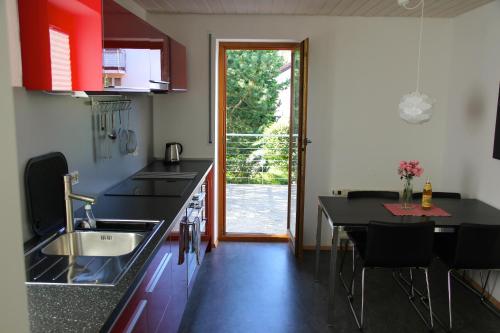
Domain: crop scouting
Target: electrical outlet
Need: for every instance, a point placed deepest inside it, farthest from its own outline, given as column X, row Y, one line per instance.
column 75, row 177
column 340, row 193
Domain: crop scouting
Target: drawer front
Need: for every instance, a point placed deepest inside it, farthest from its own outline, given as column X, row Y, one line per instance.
column 159, row 288
column 173, row 315
column 151, row 310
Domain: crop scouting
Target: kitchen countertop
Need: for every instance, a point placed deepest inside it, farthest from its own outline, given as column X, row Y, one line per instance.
column 74, row 308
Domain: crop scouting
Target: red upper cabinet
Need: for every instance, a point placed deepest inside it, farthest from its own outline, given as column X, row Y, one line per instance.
column 61, row 44
column 178, row 66
column 140, row 49
column 149, row 59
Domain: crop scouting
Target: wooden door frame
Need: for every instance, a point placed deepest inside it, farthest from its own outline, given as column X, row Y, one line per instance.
column 221, row 137
column 303, row 142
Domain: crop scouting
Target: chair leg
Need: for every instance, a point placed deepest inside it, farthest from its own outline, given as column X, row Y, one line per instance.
column 426, row 270
column 350, row 299
column 353, row 267
column 353, row 257
column 483, row 287
column 412, row 288
column 341, row 268
column 344, row 250
column 351, row 286
column 362, row 297
column 449, row 299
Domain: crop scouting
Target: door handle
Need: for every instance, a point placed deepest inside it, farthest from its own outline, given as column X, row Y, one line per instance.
column 307, row 141
column 158, row 273
column 136, row 316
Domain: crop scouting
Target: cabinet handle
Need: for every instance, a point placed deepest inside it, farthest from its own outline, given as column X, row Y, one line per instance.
column 158, row 273
column 135, row 317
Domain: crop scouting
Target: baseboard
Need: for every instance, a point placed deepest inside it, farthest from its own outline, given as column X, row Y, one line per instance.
column 322, row 248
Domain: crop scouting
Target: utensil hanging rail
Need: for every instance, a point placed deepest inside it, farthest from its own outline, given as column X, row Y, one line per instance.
column 106, row 130
column 111, row 105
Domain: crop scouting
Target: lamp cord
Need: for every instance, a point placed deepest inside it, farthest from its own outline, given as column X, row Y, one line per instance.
column 419, row 60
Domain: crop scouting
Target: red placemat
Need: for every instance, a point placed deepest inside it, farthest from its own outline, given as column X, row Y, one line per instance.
column 417, row 210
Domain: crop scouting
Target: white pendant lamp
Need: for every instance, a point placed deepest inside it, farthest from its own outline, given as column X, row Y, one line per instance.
column 416, row 107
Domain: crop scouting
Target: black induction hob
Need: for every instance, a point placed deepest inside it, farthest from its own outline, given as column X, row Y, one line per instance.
column 151, row 188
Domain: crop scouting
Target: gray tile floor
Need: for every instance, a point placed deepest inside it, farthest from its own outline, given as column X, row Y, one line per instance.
column 253, row 208
column 260, row 287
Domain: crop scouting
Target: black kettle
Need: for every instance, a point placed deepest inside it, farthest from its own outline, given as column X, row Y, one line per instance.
column 173, row 151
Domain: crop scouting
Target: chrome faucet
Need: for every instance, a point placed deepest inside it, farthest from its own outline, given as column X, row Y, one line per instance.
column 69, row 196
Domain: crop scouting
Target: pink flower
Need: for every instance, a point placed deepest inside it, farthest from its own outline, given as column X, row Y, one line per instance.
column 410, row 169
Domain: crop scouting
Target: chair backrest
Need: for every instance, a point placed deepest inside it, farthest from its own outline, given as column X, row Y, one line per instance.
column 398, row 245
column 444, row 195
column 373, row 194
column 478, row 246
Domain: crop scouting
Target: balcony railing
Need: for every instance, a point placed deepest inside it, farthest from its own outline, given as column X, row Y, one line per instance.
column 258, row 158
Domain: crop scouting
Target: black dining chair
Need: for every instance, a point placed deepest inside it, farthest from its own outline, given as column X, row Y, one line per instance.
column 394, row 246
column 473, row 247
column 391, row 195
column 357, row 234
column 444, row 195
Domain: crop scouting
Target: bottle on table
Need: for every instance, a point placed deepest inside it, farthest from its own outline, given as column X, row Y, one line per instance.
column 427, row 195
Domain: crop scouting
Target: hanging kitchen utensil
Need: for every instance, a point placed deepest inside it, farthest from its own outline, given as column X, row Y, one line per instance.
column 102, row 134
column 112, row 134
column 132, row 138
column 123, row 138
column 106, row 127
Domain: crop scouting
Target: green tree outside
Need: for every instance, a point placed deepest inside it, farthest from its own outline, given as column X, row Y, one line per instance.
column 252, row 94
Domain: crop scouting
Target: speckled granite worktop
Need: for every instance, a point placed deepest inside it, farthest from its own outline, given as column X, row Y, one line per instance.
column 73, row 308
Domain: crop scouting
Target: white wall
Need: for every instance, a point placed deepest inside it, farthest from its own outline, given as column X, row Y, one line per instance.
column 13, row 304
column 473, row 96
column 47, row 123
column 359, row 69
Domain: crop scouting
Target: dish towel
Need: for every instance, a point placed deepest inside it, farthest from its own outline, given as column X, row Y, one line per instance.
column 183, row 227
column 197, row 238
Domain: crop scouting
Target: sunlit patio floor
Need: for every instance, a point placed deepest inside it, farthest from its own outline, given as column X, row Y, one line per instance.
column 253, row 208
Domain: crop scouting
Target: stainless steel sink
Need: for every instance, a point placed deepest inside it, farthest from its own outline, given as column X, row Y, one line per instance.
column 94, row 244
column 99, row 256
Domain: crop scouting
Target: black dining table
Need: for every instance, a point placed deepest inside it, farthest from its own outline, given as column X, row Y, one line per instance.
column 341, row 212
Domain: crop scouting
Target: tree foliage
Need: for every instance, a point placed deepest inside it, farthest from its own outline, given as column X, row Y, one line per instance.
column 252, row 90
column 252, row 97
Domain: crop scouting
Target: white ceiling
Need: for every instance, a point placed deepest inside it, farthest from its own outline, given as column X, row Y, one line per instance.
column 433, row 8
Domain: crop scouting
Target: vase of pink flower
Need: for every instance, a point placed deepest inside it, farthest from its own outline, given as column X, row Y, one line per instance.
column 407, row 170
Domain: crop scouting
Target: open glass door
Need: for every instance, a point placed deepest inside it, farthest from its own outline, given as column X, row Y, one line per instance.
column 297, row 147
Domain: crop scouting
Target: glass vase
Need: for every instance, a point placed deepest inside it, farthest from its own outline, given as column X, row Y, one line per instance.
column 407, row 196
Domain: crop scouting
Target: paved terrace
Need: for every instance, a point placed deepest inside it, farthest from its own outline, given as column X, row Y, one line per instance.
column 254, row 208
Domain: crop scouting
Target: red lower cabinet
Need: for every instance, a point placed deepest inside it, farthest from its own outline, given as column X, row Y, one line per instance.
column 147, row 306
column 159, row 288
column 173, row 315
column 158, row 303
